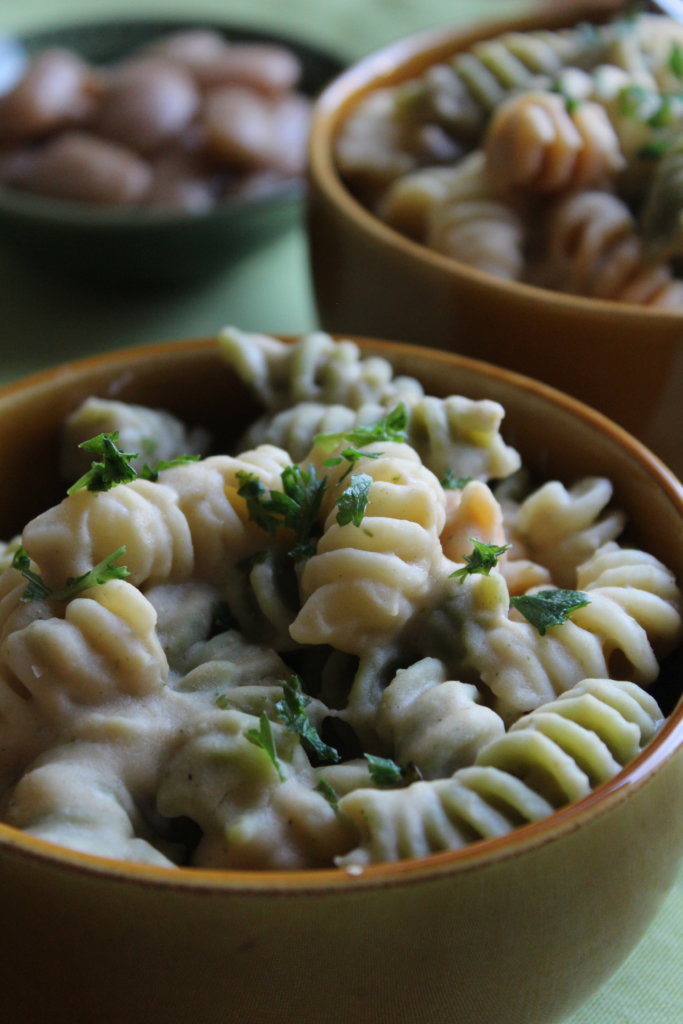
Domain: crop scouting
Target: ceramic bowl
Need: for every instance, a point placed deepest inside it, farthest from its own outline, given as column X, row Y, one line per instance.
column 622, row 359
column 144, row 244
column 520, row 928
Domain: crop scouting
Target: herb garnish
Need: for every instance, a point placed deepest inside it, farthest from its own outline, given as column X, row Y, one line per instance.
column 326, row 789
column 392, row 427
column 38, row 590
column 676, row 60
column 114, row 466
column 352, row 503
column 450, row 482
column 481, row 560
column 291, row 711
column 263, row 738
column 152, row 472
column 295, row 507
column 352, row 455
column 549, row 607
column 385, row 772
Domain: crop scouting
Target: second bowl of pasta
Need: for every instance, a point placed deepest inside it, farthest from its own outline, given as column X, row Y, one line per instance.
column 511, row 191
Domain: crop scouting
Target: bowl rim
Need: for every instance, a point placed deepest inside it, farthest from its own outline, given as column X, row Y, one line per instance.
column 65, row 212
column 480, row 855
column 397, row 62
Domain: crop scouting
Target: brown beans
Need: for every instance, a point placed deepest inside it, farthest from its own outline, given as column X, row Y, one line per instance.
column 183, row 122
column 81, row 167
column 264, row 66
column 57, row 89
column 146, row 105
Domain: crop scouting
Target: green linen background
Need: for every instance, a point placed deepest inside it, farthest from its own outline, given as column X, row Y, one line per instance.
column 46, row 321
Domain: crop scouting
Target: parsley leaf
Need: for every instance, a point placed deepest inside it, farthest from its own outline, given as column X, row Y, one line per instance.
column 549, row 607
column 114, row 466
column 353, row 502
column 392, row 427
column 484, row 557
column 450, row 482
column 326, row 789
column 152, row 472
column 296, row 507
column 676, row 60
column 385, row 772
column 291, row 711
column 263, row 738
column 352, row 455
column 38, row 590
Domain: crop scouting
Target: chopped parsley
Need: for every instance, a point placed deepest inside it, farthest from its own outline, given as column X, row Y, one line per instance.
column 392, row 427
column 113, row 467
column 676, row 60
column 152, row 472
column 351, row 455
column 483, row 558
column 295, row 507
column 385, row 772
column 263, row 738
column 450, row 482
column 327, row 790
column 116, row 467
column 353, row 502
column 291, row 711
column 38, row 590
column 549, row 608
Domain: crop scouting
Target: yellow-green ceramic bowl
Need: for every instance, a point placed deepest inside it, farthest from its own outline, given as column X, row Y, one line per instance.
column 368, row 278
column 145, row 245
column 515, row 930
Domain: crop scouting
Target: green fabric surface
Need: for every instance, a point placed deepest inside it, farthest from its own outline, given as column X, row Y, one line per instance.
column 46, row 321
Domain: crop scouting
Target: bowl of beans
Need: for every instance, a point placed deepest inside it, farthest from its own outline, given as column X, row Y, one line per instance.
column 511, row 190
column 334, row 672
column 152, row 150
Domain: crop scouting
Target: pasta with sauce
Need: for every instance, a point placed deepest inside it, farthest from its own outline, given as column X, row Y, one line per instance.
column 387, row 643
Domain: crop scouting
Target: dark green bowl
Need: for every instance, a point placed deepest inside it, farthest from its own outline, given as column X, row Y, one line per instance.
column 148, row 245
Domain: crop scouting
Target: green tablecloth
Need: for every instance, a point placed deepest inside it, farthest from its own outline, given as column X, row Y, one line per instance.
column 45, row 321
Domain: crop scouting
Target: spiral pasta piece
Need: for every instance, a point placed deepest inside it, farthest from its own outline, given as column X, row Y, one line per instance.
column 594, row 251
column 249, row 816
column 484, row 233
column 189, row 522
column 154, row 435
column 549, row 758
column 315, row 368
column 365, row 581
column 104, row 647
column 437, row 724
column 295, row 428
column 412, row 201
column 74, row 796
column 461, row 93
column 461, row 435
column 633, row 612
column 562, row 527
column 533, row 142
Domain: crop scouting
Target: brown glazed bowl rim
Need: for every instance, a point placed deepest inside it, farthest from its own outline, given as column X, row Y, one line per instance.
column 399, row 61
column 480, row 855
